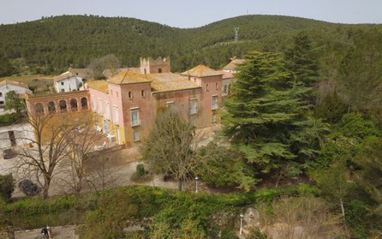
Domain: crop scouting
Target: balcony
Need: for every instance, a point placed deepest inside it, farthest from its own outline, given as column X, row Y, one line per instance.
column 135, row 123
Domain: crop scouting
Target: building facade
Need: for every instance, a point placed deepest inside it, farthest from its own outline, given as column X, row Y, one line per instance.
column 124, row 106
column 9, row 85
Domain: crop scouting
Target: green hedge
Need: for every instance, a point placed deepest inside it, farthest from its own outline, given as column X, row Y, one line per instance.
column 71, row 209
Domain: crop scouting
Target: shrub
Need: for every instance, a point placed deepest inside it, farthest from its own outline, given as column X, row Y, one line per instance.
column 7, row 186
column 140, row 170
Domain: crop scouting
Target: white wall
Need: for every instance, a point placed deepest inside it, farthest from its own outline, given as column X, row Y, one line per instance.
column 22, row 132
column 6, row 88
column 67, row 85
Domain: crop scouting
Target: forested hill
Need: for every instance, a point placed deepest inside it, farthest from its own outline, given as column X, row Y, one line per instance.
column 52, row 44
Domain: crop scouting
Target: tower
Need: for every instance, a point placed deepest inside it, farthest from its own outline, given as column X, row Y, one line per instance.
column 236, row 34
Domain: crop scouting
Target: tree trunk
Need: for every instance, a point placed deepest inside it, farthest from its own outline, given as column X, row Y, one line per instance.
column 180, row 185
column 343, row 214
column 45, row 189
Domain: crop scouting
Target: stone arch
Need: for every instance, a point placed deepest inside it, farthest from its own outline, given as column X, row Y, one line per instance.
column 84, row 103
column 39, row 109
column 73, row 105
column 63, row 106
column 51, row 107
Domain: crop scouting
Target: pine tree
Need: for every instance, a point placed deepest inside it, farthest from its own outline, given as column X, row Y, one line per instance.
column 301, row 60
column 267, row 119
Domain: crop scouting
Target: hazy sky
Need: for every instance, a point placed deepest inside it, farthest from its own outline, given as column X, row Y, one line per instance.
column 194, row 13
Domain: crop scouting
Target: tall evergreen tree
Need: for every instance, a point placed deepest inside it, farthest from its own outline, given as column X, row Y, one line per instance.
column 301, row 60
column 266, row 118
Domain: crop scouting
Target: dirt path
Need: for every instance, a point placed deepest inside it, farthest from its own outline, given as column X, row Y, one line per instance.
column 64, row 232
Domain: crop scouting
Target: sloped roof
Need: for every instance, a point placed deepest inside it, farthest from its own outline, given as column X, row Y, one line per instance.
column 227, row 75
column 109, row 72
column 100, row 85
column 15, row 83
column 201, row 71
column 63, row 76
column 232, row 65
column 129, row 77
column 171, row 82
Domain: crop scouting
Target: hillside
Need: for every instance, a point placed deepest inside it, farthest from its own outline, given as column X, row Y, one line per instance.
column 50, row 45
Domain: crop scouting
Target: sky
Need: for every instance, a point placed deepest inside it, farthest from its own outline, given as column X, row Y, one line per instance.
column 194, row 13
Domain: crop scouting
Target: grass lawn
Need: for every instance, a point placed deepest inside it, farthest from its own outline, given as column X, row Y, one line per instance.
column 31, row 80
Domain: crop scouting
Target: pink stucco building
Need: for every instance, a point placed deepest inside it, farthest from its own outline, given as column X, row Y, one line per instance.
column 126, row 104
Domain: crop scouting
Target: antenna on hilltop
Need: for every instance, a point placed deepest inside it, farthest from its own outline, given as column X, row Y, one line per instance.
column 236, row 34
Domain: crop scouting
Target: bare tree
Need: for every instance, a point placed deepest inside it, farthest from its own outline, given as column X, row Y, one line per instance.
column 82, row 141
column 171, row 146
column 48, row 148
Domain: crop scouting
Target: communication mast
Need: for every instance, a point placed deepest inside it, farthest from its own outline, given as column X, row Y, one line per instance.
column 236, row 34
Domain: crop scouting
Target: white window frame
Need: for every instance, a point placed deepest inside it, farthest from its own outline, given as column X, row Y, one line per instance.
column 100, row 106
column 137, row 121
column 136, row 136
column 116, row 115
column 214, row 103
column 170, row 104
column 94, row 104
column 193, row 106
column 107, row 110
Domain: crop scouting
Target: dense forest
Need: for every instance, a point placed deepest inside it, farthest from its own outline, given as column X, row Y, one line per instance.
column 300, row 140
column 52, row 44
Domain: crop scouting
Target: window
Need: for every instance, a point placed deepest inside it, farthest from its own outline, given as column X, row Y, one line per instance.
column 99, row 106
column 213, row 117
column 207, row 87
column 135, row 117
column 229, row 88
column 107, row 110
column 63, row 107
column 73, row 105
column 62, row 90
column 84, row 103
column 143, row 93
column 130, row 95
column 214, row 102
column 116, row 115
column 136, row 136
column 39, row 109
column 225, row 89
column 116, row 94
column 193, row 106
column 94, row 104
column 170, row 105
column 1, row 94
column 62, row 83
column 51, row 107
column 217, row 86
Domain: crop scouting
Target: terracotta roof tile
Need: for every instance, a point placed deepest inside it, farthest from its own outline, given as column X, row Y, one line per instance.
column 129, row 77
column 100, row 85
column 171, row 82
column 201, row 71
column 232, row 65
